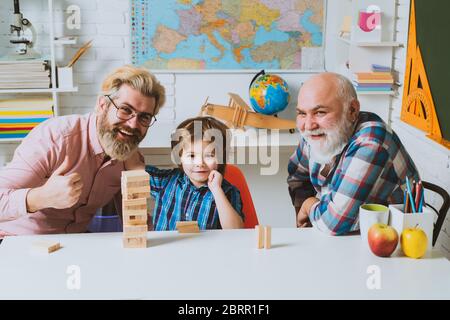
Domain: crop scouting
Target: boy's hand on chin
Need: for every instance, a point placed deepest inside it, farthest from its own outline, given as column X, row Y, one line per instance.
column 215, row 181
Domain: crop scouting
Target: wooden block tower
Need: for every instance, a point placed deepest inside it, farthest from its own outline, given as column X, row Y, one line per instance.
column 135, row 191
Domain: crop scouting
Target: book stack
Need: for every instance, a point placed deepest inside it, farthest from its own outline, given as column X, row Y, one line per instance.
column 24, row 74
column 380, row 68
column 379, row 80
column 19, row 117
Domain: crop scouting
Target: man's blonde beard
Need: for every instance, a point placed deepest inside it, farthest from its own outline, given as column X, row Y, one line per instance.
column 336, row 139
column 114, row 148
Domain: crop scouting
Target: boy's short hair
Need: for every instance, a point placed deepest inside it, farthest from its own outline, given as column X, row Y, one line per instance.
column 205, row 129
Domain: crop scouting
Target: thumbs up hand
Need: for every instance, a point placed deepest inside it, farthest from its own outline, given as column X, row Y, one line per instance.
column 63, row 191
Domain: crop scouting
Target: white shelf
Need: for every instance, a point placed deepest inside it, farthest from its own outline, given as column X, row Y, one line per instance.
column 11, row 140
column 371, row 44
column 253, row 137
column 419, row 135
column 345, row 40
column 64, row 41
column 379, row 44
column 376, row 93
column 49, row 90
column 250, row 138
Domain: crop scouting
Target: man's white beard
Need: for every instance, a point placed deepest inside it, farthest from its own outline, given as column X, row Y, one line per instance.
column 116, row 149
column 324, row 151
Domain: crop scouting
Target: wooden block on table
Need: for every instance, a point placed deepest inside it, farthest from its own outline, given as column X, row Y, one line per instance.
column 138, row 184
column 267, row 237
column 134, row 211
column 135, row 242
column 186, row 223
column 136, row 192
column 135, row 176
column 259, row 236
column 191, row 229
column 135, row 230
column 187, row 227
column 144, row 189
column 134, row 204
column 46, row 246
column 134, row 219
column 135, row 184
column 141, row 209
column 131, row 195
column 139, row 212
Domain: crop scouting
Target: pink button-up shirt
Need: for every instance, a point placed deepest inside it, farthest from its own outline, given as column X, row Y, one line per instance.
column 39, row 154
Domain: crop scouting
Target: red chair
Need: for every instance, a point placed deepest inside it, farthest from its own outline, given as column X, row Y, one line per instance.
column 235, row 176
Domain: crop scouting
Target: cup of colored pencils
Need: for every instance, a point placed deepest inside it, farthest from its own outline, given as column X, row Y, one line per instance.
column 413, row 197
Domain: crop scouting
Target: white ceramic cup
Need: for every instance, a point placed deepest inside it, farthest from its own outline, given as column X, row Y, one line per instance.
column 369, row 214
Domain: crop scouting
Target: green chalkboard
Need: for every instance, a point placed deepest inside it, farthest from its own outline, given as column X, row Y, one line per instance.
column 433, row 37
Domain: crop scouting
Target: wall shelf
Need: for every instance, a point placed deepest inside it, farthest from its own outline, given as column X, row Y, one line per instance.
column 376, row 93
column 11, row 140
column 371, row 44
column 64, row 41
column 253, row 137
column 357, row 53
column 53, row 91
column 344, row 39
column 250, row 138
column 49, row 90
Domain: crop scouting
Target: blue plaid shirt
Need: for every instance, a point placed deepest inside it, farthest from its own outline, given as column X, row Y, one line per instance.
column 371, row 169
column 177, row 199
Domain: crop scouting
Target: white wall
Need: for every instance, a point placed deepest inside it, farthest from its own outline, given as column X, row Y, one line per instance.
column 432, row 159
column 107, row 22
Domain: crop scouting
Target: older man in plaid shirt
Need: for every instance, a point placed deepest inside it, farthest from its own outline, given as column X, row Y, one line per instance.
column 345, row 157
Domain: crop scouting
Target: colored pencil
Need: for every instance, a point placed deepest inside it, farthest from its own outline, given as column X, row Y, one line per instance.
column 407, row 209
column 422, row 196
column 404, row 201
column 417, row 196
column 410, row 195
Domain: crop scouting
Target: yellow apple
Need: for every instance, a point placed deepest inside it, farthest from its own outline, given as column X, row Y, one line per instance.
column 383, row 239
column 414, row 242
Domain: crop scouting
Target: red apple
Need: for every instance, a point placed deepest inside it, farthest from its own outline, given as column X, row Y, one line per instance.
column 383, row 239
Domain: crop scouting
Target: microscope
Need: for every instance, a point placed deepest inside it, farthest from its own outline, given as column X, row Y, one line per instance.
column 24, row 45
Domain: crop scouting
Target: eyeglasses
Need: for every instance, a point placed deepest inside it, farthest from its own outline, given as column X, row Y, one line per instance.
column 126, row 113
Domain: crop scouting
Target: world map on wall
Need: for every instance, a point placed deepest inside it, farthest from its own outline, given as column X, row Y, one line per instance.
column 227, row 34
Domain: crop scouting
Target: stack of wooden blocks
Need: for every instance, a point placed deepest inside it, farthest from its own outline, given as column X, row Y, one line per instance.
column 135, row 191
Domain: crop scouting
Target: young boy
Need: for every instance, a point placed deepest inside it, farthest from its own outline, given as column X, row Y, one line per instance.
column 196, row 190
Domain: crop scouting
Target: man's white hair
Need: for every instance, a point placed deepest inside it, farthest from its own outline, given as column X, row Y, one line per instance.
column 345, row 90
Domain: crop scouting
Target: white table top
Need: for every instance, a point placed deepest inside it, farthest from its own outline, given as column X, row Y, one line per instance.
column 302, row 264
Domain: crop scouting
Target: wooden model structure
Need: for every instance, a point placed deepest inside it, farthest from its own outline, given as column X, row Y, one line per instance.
column 135, row 191
column 418, row 107
column 238, row 114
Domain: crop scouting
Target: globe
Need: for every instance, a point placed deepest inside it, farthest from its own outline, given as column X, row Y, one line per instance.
column 269, row 94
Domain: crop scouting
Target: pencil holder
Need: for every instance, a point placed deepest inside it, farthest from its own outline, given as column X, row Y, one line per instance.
column 65, row 77
column 423, row 220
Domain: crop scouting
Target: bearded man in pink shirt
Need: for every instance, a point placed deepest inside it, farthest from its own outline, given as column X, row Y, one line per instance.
column 68, row 167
